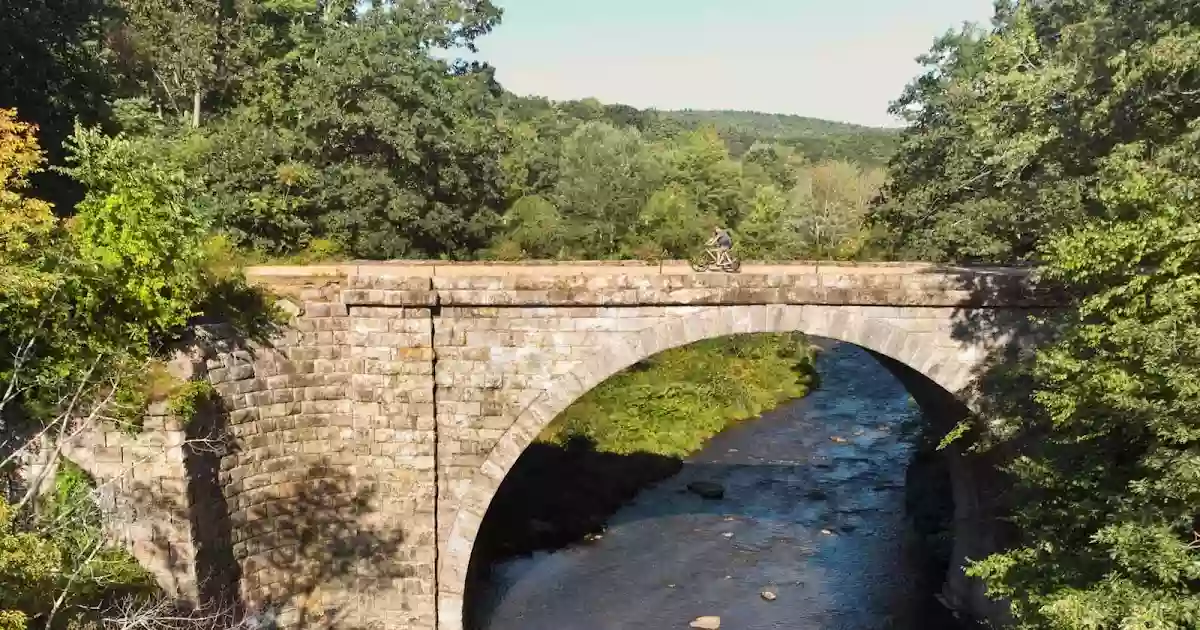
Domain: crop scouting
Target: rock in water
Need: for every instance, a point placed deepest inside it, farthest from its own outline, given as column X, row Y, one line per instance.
column 768, row 595
column 707, row 623
column 707, row 489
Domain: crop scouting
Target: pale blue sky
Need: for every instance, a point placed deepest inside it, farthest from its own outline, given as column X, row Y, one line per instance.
column 836, row 59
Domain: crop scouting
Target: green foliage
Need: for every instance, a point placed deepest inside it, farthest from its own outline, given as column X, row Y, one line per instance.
column 587, row 187
column 939, row 203
column 822, row 217
column 403, row 150
column 53, row 71
column 1067, row 135
column 26, row 560
column 829, row 204
column 186, row 401
column 533, row 229
column 700, row 163
column 605, row 176
column 49, row 342
column 26, row 223
column 772, row 164
column 818, row 139
column 671, row 224
column 303, row 121
column 85, row 303
column 672, row 403
column 136, row 238
column 61, row 552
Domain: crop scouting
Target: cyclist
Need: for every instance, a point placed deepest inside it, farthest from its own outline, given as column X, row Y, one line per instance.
column 722, row 241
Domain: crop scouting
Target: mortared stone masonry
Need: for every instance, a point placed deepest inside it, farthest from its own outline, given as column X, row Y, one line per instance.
column 345, row 473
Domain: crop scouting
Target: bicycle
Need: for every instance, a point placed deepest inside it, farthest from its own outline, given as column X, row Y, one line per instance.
column 718, row 259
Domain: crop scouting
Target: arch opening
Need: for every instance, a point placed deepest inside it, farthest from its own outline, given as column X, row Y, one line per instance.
column 917, row 347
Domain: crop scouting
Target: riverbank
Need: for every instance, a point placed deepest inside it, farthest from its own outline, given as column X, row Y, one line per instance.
column 632, row 431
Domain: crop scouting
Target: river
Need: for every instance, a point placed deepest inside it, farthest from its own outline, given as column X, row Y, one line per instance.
column 813, row 513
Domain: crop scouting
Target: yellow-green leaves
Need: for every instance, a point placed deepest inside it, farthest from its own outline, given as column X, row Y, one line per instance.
column 138, row 233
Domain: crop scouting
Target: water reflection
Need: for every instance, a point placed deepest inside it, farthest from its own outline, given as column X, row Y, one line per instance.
column 813, row 512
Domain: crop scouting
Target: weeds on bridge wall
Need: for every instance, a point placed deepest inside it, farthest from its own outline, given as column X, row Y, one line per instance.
column 186, row 402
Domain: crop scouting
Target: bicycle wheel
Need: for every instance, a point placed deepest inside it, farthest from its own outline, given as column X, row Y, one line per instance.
column 735, row 265
column 698, row 266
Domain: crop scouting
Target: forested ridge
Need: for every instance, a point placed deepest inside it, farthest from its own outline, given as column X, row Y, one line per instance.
column 148, row 149
column 813, row 137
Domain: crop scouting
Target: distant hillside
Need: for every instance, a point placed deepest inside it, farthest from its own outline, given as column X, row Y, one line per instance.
column 816, row 138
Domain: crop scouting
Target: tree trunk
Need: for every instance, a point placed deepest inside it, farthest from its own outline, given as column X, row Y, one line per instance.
column 196, row 109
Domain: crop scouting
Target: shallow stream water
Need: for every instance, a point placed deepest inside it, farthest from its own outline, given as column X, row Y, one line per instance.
column 813, row 512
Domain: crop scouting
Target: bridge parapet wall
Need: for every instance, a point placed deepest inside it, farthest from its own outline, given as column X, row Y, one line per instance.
column 585, row 284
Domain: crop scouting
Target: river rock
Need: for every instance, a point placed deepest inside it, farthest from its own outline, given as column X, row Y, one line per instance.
column 707, row 623
column 707, row 489
column 768, row 595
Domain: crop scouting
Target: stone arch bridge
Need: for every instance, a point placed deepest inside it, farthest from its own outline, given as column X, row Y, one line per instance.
column 360, row 449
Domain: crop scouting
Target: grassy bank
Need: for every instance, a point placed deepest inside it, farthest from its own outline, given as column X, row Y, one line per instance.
column 633, row 430
column 672, row 403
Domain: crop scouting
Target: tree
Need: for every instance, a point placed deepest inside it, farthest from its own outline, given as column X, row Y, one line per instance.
column 605, row 176
column 829, row 205
column 531, row 163
column 940, row 202
column 700, row 162
column 822, row 217
column 378, row 145
column 1068, row 136
column 766, row 232
column 771, row 164
column 137, row 238
column 26, row 223
column 52, row 70
column 88, row 306
column 185, row 48
column 534, row 229
column 670, row 224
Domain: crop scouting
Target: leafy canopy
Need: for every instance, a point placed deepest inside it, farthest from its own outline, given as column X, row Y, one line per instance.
column 1068, row 135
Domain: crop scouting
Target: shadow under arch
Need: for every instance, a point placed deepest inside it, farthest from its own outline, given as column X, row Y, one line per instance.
column 917, row 344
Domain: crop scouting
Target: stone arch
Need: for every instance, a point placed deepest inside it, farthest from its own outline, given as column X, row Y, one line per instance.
column 920, row 338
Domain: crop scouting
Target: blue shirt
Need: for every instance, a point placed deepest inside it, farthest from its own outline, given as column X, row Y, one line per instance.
column 723, row 239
